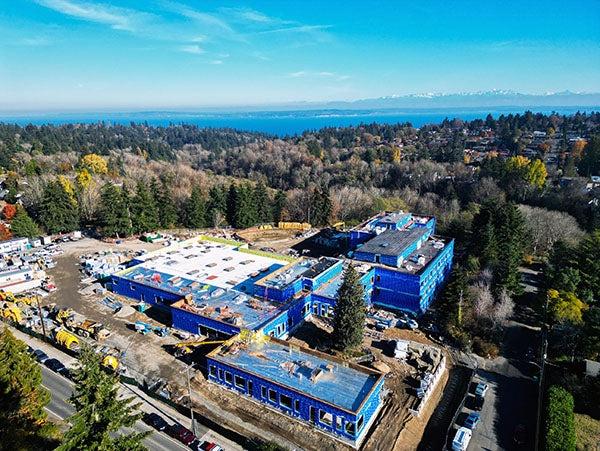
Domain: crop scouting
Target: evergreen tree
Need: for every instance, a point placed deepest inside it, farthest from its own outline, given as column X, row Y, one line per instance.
column 262, row 203
column 216, row 207
column 163, row 198
column 349, row 312
column 195, row 212
column 58, row 213
column 144, row 214
column 245, row 208
column 232, row 199
column 279, row 205
column 321, row 207
column 23, row 421
column 114, row 212
column 510, row 227
column 588, row 261
column 99, row 412
column 22, row 225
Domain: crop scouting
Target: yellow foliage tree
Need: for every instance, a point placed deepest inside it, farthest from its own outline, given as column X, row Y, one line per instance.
column 566, row 307
column 94, row 163
column 577, row 149
column 68, row 186
column 396, row 154
column 537, row 173
column 83, row 179
column 516, row 163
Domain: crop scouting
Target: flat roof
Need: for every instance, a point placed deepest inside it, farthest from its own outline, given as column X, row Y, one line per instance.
column 393, row 218
column 331, row 287
column 338, row 383
column 305, row 267
column 218, row 264
column 393, row 242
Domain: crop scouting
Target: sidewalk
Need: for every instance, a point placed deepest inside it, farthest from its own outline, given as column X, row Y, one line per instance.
column 148, row 404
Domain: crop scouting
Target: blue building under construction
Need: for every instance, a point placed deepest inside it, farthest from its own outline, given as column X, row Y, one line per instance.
column 220, row 288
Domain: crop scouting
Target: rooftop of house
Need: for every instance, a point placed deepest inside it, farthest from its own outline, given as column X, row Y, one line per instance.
column 306, row 371
column 394, row 218
column 392, row 242
column 219, row 264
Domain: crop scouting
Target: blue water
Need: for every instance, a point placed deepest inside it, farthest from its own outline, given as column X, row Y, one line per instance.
column 281, row 123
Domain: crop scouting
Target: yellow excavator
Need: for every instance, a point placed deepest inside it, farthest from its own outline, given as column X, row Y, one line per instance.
column 111, row 358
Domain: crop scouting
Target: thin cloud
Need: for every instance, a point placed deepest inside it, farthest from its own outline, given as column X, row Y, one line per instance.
column 115, row 17
column 318, row 74
column 297, row 29
column 216, row 62
column 35, row 42
column 193, row 49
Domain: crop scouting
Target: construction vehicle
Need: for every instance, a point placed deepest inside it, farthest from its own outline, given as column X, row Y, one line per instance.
column 187, row 347
column 66, row 339
column 338, row 225
column 7, row 296
column 85, row 328
column 145, row 328
column 12, row 313
column 111, row 358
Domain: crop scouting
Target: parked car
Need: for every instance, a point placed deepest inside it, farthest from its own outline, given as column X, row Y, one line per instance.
column 65, row 372
column 472, row 420
column 184, row 435
column 477, row 403
column 40, row 355
column 461, row 439
column 55, row 365
column 156, row 421
column 481, row 389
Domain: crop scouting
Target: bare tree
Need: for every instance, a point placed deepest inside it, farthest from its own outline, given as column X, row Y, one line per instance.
column 548, row 226
column 483, row 301
column 503, row 309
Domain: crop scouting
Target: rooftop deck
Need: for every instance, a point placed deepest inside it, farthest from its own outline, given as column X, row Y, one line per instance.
column 306, row 371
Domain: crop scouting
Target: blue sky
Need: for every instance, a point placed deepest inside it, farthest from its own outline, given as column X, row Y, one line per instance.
column 72, row 54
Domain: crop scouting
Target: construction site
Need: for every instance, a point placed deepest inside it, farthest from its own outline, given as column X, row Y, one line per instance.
column 254, row 325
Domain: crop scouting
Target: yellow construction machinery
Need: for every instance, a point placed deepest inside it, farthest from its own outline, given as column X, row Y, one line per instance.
column 7, row 296
column 110, row 358
column 338, row 225
column 187, row 347
column 85, row 328
column 65, row 338
column 12, row 313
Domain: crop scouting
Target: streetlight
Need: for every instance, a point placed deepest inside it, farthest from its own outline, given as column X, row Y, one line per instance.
column 187, row 370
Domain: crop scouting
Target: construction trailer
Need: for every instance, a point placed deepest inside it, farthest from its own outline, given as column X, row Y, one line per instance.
column 14, row 245
column 21, row 279
column 338, row 398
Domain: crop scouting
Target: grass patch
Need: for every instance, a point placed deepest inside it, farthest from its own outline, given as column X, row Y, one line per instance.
column 285, row 258
column 588, row 432
column 215, row 239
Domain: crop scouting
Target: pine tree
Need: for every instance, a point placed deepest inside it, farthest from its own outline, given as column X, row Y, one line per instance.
column 22, row 225
column 321, row 207
column 58, row 213
column 349, row 312
column 232, row 200
column 279, row 205
column 99, row 412
column 195, row 211
column 144, row 214
column 510, row 227
column 262, row 203
column 23, row 421
column 216, row 207
column 163, row 198
column 114, row 212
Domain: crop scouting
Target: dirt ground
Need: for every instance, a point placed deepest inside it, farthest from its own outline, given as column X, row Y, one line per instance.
column 394, row 429
column 142, row 352
column 278, row 239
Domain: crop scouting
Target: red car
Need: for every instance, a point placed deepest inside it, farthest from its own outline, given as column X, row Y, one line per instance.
column 182, row 434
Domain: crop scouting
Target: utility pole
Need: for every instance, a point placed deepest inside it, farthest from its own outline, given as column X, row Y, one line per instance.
column 544, row 350
column 39, row 308
column 187, row 370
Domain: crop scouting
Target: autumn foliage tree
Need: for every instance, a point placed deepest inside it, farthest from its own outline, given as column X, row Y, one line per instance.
column 9, row 211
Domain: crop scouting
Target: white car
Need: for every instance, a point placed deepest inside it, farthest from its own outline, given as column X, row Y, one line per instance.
column 461, row 439
column 481, row 389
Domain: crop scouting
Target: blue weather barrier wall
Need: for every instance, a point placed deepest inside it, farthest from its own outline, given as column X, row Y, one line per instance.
column 296, row 404
column 157, row 297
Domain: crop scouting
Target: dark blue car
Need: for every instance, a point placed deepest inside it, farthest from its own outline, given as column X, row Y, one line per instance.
column 472, row 420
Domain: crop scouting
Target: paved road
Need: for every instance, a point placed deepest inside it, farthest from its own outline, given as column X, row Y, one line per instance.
column 61, row 388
